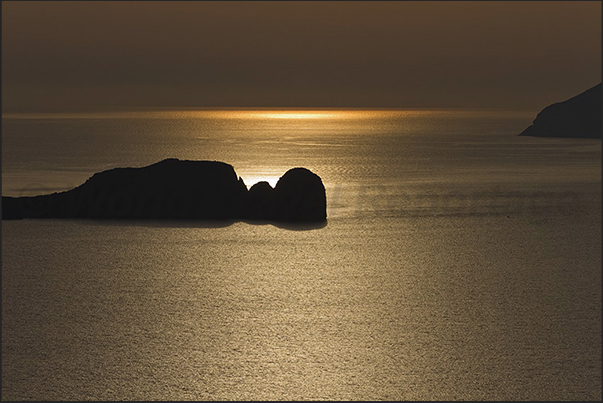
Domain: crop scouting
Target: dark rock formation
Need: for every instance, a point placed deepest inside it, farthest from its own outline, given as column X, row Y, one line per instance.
column 168, row 189
column 299, row 195
column 174, row 189
column 260, row 202
column 579, row 116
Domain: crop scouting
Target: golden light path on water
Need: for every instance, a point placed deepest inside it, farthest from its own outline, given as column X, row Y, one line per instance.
column 231, row 113
column 307, row 120
column 301, row 128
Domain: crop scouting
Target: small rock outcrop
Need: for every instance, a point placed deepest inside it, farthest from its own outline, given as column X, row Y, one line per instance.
column 577, row 117
column 175, row 189
column 260, row 202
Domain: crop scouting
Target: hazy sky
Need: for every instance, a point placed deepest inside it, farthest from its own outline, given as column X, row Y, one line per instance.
column 511, row 55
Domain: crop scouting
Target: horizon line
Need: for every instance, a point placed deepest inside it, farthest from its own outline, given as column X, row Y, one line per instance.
column 112, row 109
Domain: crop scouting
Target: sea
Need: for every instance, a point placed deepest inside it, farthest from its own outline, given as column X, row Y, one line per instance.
column 459, row 261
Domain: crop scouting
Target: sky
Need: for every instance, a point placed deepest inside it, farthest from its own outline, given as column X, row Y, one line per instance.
column 514, row 55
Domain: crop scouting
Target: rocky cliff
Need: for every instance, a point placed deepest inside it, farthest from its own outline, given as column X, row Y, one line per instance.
column 579, row 116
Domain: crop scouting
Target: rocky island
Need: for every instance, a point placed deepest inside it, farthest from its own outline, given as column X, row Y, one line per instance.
column 177, row 189
column 576, row 117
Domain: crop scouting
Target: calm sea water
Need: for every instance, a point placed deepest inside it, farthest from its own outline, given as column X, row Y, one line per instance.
column 459, row 261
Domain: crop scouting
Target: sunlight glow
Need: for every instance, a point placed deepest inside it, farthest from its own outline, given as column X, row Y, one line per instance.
column 295, row 115
column 251, row 180
column 259, row 114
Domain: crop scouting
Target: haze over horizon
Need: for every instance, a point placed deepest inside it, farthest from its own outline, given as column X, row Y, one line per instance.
column 405, row 54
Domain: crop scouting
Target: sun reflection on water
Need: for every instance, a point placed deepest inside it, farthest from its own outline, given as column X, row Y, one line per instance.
column 292, row 115
column 251, row 113
column 213, row 113
column 251, row 180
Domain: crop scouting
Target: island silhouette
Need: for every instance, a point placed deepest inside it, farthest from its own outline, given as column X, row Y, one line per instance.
column 577, row 117
column 180, row 189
